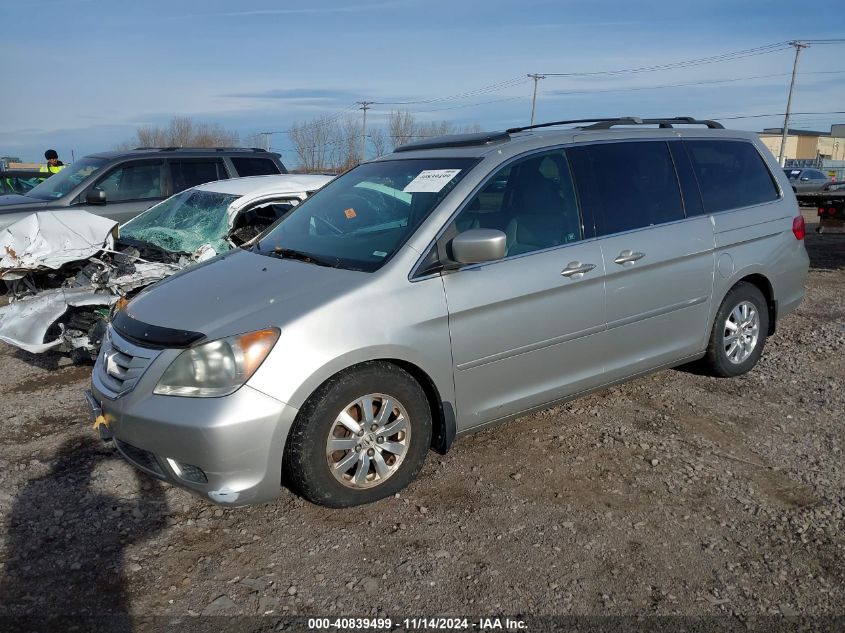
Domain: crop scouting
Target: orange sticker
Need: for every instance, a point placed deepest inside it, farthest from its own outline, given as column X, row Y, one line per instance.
column 350, row 213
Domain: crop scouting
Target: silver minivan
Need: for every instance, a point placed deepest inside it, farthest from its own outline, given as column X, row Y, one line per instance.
column 454, row 284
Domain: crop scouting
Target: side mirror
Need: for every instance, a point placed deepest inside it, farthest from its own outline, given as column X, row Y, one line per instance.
column 805, row 177
column 95, row 196
column 479, row 245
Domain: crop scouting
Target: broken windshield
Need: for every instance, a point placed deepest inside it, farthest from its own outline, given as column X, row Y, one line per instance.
column 184, row 222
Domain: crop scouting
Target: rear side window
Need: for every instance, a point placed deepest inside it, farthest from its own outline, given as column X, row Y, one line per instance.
column 254, row 166
column 731, row 174
column 190, row 173
column 626, row 186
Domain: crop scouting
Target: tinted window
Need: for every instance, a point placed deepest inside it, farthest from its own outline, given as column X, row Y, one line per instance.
column 627, row 186
column 136, row 181
column 731, row 174
column 254, row 166
column 532, row 201
column 191, row 173
column 689, row 185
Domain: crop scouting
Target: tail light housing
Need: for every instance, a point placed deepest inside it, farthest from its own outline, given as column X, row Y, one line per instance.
column 821, row 211
column 798, row 228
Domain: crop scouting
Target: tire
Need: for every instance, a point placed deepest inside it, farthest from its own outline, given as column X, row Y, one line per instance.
column 338, row 479
column 723, row 358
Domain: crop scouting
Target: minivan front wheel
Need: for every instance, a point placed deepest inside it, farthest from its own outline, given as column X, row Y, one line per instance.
column 739, row 332
column 362, row 436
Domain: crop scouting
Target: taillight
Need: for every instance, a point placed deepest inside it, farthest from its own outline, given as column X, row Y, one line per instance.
column 831, row 211
column 798, row 228
column 821, row 211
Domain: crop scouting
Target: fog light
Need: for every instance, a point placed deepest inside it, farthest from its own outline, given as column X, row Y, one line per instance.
column 188, row 472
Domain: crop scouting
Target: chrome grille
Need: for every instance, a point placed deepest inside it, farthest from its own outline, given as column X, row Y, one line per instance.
column 121, row 364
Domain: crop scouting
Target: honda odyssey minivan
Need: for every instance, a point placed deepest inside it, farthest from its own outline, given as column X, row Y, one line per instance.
column 454, row 284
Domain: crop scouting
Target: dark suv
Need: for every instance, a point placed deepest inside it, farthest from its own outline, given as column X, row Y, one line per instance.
column 119, row 185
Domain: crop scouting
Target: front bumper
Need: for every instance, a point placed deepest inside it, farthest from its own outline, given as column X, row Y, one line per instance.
column 228, row 450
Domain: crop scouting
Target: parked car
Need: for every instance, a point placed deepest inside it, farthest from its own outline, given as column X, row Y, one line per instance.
column 64, row 282
column 19, row 181
column 805, row 180
column 119, row 185
column 416, row 298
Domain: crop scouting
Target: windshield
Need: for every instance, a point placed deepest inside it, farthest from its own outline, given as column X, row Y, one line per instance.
column 184, row 222
column 360, row 219
column 67, row 179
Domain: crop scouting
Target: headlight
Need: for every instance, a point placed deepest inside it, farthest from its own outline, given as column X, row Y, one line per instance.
column 217, row 368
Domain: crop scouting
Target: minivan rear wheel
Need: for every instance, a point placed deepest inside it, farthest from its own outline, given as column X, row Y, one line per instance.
column 362, row 436
column 739, row 332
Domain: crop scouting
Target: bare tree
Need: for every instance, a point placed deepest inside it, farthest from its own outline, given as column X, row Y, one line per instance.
column 183, row 132
column 348, row 143
column 315, row 143
column 378, row 140
column 402, row 127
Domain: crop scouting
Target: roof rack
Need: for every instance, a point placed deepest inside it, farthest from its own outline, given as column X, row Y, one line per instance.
column 607, row 123
column 456, row 140
column 205, row 149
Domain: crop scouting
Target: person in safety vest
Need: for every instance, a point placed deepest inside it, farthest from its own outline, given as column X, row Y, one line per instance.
column 54, row 165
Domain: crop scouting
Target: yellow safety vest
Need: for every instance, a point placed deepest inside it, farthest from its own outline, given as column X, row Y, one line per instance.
column 52, row 170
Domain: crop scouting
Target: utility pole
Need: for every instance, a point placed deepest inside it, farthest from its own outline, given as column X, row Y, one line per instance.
column 536, row 79
column 266, row 136
column 798, row 46
column 365, row 105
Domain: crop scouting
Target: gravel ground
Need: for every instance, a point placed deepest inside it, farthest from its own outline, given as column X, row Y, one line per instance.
column 675, row 494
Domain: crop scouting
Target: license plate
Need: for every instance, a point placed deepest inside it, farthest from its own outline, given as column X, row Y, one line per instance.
column 97, row 417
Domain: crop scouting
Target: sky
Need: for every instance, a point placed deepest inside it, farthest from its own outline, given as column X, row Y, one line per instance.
column 82, row 75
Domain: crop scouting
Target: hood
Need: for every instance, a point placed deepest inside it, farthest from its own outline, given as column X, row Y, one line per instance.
column 239, row 292
column 16, row 200
column 50, row 239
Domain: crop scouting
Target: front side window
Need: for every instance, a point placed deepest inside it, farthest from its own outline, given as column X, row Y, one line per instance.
column 628, row 185
column 184, row 222
column 66, row 180
column 360, row 219
column 731, row 174
column 532, row 201
column 137, row 181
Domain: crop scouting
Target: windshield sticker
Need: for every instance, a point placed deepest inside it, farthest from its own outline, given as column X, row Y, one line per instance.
column 379, row 254
column 350, row 213
column 431, row 180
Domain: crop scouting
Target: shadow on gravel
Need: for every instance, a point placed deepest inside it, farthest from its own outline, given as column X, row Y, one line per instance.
column 826, row 250
column 64, row 562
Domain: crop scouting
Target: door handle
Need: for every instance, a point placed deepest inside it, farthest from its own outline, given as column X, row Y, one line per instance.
column 626, row 257
column 576, row 270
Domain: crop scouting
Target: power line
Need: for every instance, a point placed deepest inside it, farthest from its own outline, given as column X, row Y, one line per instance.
column 713, row 59
column 691, row 83
column 771, row 114
column 497, row 87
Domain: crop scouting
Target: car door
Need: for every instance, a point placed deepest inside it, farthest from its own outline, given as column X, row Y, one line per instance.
column 526, row 329
column 658, row 263
column 130, row 188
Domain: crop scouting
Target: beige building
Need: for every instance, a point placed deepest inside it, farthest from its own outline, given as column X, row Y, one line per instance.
column 807, row 144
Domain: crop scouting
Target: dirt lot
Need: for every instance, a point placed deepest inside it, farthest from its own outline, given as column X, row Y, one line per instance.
column 674, row 494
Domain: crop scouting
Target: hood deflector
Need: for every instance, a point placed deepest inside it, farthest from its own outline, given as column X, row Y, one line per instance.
column 155, row 336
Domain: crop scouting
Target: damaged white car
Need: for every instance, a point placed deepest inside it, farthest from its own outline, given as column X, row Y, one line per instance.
column 64, row 270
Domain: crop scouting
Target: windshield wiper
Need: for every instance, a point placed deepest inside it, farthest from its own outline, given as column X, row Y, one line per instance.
column 290, row 253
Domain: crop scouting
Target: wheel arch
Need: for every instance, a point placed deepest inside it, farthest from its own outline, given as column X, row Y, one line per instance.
column 444, row 421
column 764, row 285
